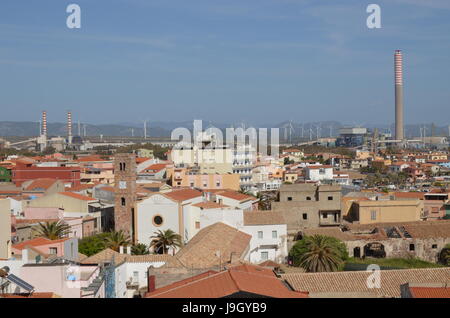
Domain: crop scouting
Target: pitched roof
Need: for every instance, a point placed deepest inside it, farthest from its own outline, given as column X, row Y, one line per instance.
column 214, row 245
column 37, row 242
column 226, row 283
column 409, row 195
column 429, row 292
column 183, row 194
column 263, row 218
column 156, row 167
column 235, row 195
column 42, row 183
column 210, row 205
column 108, row 255
column 78, row 196
column 356, row 281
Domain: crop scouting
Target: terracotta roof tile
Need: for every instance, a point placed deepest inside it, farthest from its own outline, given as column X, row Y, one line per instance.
column 226, row 283
column 356, row 281
column 263, row 218
column 235, row 195
column 42, row 183
column 201, row 250
column 430, row 292
column 77, row 196
column 183, row 194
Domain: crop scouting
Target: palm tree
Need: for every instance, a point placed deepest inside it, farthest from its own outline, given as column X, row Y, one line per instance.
column 322, row 254
column 115, row 239
column 139, row 249
column 52, row 230
column 162, row 241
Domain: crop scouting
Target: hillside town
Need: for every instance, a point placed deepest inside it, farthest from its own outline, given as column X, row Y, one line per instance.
column 149, row 222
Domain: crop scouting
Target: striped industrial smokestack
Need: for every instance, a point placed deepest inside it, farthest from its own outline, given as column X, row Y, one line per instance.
column 398, row 61
column 69, row 127
column 44, row 123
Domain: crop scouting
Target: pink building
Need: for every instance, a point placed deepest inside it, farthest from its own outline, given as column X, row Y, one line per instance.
column 66, row 248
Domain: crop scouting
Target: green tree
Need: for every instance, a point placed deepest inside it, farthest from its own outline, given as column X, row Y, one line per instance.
column 319, row 253
column 162, row 241
column 139, row 249
column 91, row 245
column 444, row 256
column 52, row 230
column 115, row 239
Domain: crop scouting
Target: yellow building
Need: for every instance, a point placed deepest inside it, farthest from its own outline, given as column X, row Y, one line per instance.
column 183, row 177
column 68, row 201
column 5, row 229
column 386, row 211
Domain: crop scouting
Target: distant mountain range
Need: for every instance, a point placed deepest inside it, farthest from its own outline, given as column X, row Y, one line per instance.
column 164, row 129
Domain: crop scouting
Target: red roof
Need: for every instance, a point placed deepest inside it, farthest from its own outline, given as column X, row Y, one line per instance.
column 234, row 280
column 430, row 292
column 235, row 195
column 409, row 195
column 39, row 241
column 42, row 183
column 156, row 167
column 318, row 167
column 77, row 196
column 183, row 194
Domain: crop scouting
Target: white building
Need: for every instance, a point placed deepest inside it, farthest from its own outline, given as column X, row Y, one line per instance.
column 164, row 211
column 268, row 229
column 319, row 172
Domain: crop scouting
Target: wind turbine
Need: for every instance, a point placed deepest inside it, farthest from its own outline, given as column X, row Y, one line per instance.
column 291, row 129
column 145, row 128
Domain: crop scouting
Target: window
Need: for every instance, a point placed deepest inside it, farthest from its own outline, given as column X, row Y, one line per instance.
column 260, row 234
column 192, row 184
column 308, row 198
column 289, row 198
column 274, row 234
column 411, row 247
column 122, row 201
column 53, row 250
column 218, row 184
column 158, row 220
column 330, row 198
column 197, row 225
column 325, row 215
column 264, row 256
column 373, row 215
column 135, row 277
column 305, row 216
column 434, row 246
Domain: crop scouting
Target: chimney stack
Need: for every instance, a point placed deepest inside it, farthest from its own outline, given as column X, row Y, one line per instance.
column 69, row 127
column 44, row 123
column 398, row 59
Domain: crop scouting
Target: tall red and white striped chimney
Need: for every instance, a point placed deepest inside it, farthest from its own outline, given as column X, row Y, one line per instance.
column 398, row 61
column 44, row 123
column 69, row 127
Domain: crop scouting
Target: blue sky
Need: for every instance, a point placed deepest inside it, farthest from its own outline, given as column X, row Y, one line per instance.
column 263, row 61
